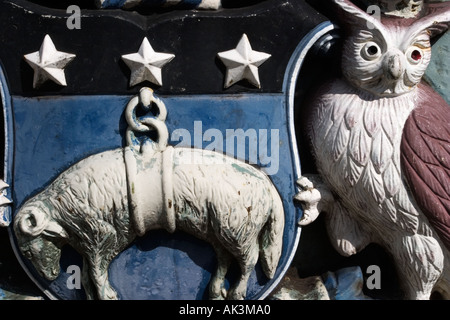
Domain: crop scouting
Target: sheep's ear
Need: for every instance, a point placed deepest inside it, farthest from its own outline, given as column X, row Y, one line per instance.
column 54, row 230
column 31, row 221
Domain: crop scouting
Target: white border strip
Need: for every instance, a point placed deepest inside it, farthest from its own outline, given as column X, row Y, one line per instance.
column 7, row 160
column 289, row 85
column 6, row 100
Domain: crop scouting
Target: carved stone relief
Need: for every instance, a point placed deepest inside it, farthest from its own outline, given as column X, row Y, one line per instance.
column 171, row 192
column 379, row 137
column 102, row 203
column 192, row 188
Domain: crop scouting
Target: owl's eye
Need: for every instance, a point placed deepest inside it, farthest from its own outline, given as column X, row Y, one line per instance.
column 414, row 55
column 371, row 51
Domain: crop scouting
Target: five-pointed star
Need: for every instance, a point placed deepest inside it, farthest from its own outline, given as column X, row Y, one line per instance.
column 146, row 64
column 242, row 63
column 48, row 63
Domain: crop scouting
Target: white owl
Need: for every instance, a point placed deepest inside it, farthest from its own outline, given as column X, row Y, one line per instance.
column 381, row 142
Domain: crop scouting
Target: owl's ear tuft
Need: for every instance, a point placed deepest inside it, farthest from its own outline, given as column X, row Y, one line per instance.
column 350, row 15
column 436, row 21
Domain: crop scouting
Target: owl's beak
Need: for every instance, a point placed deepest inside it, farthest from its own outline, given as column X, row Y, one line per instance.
column 394, row 65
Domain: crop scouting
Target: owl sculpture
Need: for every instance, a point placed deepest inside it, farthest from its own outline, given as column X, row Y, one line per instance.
column 380, row 138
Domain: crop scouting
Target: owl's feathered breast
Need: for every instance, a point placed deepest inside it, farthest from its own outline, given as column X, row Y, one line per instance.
column 356, row 138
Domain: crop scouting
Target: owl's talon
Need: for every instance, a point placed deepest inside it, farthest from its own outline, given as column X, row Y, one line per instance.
column 309, row 197
column 314, row 197
column 309, row 216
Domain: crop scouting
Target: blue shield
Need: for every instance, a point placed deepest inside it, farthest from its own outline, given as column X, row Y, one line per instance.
column 246, row 114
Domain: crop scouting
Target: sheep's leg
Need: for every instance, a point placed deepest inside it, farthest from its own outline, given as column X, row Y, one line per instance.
column 88, row 286
column 217, row 290
column 247, row 264
column 99, row 276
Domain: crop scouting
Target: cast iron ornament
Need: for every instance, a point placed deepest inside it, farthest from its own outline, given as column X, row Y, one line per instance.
column 380, row 137
column 171, row 192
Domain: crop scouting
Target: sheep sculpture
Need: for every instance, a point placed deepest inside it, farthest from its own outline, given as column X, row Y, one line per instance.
column 102, row 203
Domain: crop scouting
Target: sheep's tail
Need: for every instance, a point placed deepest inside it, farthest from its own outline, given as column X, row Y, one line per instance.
column 271, row 240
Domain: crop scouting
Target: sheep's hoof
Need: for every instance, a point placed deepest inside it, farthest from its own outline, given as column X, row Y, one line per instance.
column 109, row 294
column 221, row 295
column 224, row 293
column 235, row 295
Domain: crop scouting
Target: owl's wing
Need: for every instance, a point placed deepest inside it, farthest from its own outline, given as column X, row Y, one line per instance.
column 425, row 157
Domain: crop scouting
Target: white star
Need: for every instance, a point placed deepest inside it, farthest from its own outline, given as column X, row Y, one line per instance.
column 242, row 63
column 48, row 63
column 146, row 64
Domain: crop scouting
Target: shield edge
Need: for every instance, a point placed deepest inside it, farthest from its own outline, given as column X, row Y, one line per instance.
column 289, row 84
column 8, row 141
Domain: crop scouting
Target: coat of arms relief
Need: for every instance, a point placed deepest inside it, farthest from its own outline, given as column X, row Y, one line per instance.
column 163, row 160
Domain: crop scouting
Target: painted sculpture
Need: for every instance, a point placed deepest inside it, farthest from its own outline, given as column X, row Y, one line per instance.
column 183, row 4
column 227, row 91
column 99, row 206
column 397, row 8
column 381, row 141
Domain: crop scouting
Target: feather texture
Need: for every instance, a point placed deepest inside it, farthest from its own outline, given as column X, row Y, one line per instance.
column 364, row 164
column 426, row 159
column 381, row 141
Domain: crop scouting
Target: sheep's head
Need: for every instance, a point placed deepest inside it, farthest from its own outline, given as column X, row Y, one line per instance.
column 39, row 238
